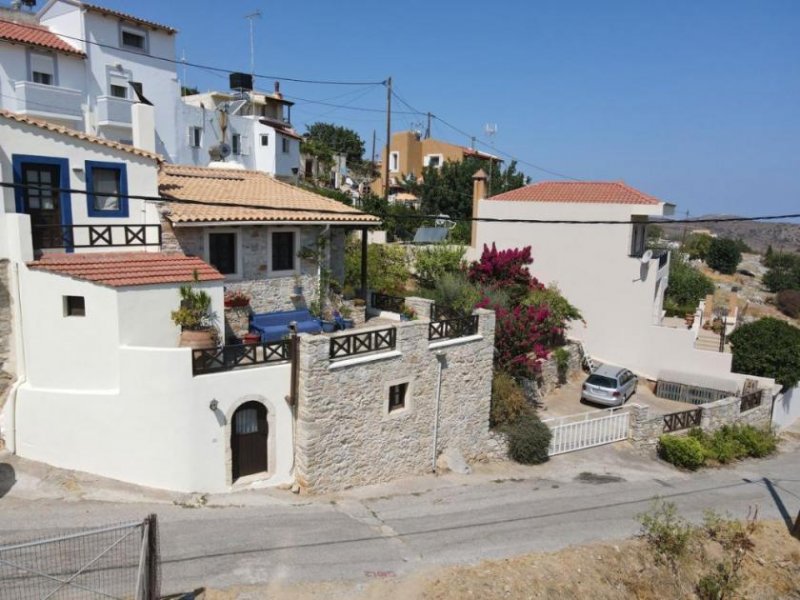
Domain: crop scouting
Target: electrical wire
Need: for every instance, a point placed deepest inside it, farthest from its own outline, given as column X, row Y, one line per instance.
column 201, row 66
column 421, row 217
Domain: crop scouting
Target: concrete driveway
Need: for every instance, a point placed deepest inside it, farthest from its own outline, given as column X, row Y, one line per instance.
column 566, row 400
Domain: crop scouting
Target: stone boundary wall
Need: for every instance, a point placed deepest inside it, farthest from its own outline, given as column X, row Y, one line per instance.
column 345, row 434
column 647, row 428
column 548, row 378
column 6, row 366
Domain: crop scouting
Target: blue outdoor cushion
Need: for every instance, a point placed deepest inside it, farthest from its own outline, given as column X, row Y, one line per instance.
column 275, row 326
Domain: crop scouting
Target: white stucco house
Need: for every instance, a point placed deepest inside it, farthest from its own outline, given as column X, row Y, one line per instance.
column 74, row 62
column 255, row 127
column 97, row 237
column 603, row 269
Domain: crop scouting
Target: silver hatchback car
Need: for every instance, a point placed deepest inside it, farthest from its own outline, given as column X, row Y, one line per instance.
column 610, row 386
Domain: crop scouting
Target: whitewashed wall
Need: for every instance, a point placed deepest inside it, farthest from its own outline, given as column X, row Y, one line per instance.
column 156, row 429
column 787, row 408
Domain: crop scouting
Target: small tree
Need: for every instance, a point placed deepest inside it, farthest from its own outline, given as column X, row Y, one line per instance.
column 687, row 286
column 783, row 271
column 697, row 245
column 387, row 267
column 768, row 348
column 724, row 255
column 432, row 262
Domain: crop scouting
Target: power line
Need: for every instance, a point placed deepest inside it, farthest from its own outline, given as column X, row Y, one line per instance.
column 421, row 217
column 201, row 66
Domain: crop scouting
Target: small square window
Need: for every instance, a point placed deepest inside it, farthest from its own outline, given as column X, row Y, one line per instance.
column 118, row 91
column 397, row 397
column 264, row 139
column 133, row 40
column 43, row 78
column 74, row 306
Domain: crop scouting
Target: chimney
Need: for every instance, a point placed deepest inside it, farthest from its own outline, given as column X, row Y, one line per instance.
column 278, row 89
column 144, row 126
column 478, row 194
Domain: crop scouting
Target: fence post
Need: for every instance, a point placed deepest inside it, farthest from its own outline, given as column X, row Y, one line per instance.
column 153, row 564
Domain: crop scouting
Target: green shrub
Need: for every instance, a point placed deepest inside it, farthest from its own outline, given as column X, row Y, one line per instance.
column 788, row 302
column 724, row 447
column 455, row 295
column 686, row 452
column 756, row 442
column 667, row 534
column 432, row 262
column 687, row 286
column 768, row 347
column 561, row 356
column 724, row 255
column 387, row 267
column 528, row 440
column 508, row 400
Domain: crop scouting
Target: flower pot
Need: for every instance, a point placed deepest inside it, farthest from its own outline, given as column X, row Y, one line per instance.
column 252, row 338
column 328, row 326
column 348, row 323
column 198, row 339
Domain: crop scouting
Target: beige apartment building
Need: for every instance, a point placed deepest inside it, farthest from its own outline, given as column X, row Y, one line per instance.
column 410, row 153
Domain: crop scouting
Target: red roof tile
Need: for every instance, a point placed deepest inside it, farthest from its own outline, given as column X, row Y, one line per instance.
column 35, row 35
column 601, row 192
column 121, row 15
column 122, row 269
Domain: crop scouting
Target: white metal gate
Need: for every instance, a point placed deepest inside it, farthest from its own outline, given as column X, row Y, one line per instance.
column 585, row 430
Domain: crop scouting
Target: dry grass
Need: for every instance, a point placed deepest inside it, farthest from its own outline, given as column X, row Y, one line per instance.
column 600, row 572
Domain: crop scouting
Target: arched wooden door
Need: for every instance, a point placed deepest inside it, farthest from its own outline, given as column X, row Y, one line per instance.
column 249, row 439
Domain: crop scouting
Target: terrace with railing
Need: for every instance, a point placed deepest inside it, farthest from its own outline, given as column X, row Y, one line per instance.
column 70, row 237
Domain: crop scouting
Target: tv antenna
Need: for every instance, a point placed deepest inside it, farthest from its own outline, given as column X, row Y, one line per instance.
column 252, row 17
column 490, row 130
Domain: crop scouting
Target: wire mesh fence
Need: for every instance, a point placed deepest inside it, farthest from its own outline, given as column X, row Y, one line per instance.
column 119, row 561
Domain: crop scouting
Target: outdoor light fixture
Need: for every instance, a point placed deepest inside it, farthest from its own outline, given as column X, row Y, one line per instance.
column 213, row 405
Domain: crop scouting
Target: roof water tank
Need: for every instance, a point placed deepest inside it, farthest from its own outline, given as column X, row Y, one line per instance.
column 241, row 81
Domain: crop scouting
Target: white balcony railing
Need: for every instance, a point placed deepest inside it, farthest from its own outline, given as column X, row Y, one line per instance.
column 114, row 111
column 39, row 100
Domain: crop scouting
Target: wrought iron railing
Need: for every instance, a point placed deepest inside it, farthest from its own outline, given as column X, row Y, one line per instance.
column 226, row 358
column 750, row 401
column 682, row 420
column 363, row 343
column 387, row 302
column 95, row 236
column 453, row 328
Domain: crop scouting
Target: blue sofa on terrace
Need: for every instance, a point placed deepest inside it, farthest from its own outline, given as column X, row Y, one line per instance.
column 274, row 326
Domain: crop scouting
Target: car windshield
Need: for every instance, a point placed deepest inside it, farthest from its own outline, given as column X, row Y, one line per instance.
column 606, row 382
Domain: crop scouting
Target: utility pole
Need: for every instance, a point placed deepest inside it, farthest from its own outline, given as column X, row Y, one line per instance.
column 428, row 128
column 685, row 225
column 388, row 138
column 372, row 156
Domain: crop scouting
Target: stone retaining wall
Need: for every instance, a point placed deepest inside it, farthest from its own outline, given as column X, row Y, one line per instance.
column 646, row 427
column 347, row 437
column 548, row 379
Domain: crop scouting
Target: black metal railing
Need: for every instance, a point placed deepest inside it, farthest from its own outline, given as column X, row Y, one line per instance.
column 95, row 236
column 226, row 358
column 363, row 343
column 750, row 401
column 453, row 328
column 662, row 256
column 387, row 302
column 682, row 420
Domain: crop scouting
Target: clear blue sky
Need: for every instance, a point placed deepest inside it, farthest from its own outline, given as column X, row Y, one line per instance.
column 697, row 103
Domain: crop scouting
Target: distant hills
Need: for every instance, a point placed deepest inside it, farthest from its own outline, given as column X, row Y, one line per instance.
column 756, row 234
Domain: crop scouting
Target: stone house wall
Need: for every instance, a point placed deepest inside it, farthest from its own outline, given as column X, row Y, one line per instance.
column 267, row 293
column 646, row 427
column 347, row 437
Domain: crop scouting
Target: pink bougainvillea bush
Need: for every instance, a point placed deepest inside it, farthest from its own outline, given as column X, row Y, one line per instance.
column 506, row 270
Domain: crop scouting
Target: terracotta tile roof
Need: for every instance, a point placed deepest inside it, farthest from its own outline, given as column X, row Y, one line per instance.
column 122, row 269
column 35, row 35
column 7, row 114
column 121, row 15
column 601, row 192
column 234, row 191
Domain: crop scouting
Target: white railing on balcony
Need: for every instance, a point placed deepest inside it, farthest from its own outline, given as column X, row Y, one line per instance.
column 113, row 111
column 37, row 99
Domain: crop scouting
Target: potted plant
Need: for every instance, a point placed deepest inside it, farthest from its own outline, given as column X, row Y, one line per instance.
column 327, row 320
column 195, row 318
column 298, row 286
column 407, row 313
column 346, row 317
column 236, row 299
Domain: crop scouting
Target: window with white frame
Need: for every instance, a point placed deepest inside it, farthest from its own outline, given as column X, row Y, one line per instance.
column 638, row 238
column 108, row 188
column 118, row 91
column 394, row 162
column 43, row 68
column 236, row 143
column 283, row 251
column 223, row 251
column 433, row 160
column 133, row 38
column 195, row 136
column 397, row 396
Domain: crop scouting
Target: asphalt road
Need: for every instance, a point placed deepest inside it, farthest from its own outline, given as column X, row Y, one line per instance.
column 355, row 537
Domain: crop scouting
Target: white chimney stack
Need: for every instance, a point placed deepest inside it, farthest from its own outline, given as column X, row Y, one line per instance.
column 144, row 126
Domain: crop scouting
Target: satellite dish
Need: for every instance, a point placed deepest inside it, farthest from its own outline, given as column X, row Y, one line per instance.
column 646, row 257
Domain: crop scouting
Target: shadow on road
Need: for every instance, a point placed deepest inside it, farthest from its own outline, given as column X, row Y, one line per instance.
column 8, row 477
